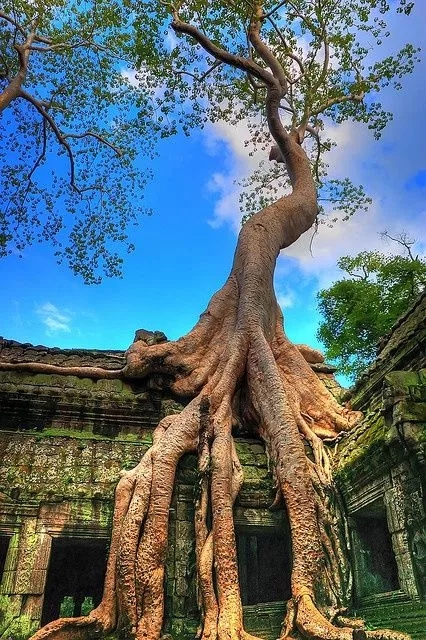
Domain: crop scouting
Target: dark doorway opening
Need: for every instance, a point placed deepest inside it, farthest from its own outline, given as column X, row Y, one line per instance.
column 264, row 565
column 378, row 572
column 75, row 577
column 4, row 547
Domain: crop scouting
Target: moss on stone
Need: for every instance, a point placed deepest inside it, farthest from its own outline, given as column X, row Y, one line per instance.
column 409, row 616
column 89, row 435
column 367, row 442
column 402, row 380
column 13, row 625
column 422, row 434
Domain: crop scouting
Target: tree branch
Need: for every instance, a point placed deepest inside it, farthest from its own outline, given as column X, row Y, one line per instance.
column 335, row 101
column 13, row 22
column 289, row 53
column 311, row 26
column 326, row 61
column 39, row 106
column 58, row 46
column 12, row 91
column 97, row 136
column 42, row 153
column 263, row 51
column 31, row 173
column 403, row 240
column 272, row 11
column 214, row 66
column 244, row 64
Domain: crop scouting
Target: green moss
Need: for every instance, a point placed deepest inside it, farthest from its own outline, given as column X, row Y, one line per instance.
column 368, row 444
column 182, row 628
column 409, row 616
column 12, row 625
column 89, row 435
column 402, row 380
column 422, row 434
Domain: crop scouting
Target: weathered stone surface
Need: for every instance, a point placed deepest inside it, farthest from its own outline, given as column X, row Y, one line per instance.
column 264, row 620
column 64, row 440
column 395, row 611
column 12, row 351
column 150, row 337
column 382, row 462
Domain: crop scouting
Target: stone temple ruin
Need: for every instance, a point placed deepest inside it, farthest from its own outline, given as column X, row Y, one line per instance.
column 64, row 440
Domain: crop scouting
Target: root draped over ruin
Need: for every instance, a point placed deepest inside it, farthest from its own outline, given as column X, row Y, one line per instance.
column 236, row 368
column 286, row 405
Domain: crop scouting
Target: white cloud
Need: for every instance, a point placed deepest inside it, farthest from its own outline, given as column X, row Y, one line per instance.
column 227, row 141
column 54, row 319
column 226, row 209
column 317, row 256
column 285, row 299
column 132, row 76
column 384, row 168
column 171, row 39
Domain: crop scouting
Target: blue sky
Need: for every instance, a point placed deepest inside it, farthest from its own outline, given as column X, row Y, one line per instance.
column 184, row 251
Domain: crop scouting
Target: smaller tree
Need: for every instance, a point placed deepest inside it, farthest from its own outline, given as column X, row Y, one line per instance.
column 359, row 309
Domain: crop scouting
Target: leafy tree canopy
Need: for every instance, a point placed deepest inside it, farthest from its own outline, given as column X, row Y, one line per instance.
column 325, row 55
column 359, row 309
column 73, row 124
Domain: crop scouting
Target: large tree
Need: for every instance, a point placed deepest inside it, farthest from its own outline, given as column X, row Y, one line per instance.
column 361, row 308
column 285, row 67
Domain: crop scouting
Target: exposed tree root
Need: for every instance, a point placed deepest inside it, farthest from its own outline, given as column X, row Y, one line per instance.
column 291, row 407
column 97, row 373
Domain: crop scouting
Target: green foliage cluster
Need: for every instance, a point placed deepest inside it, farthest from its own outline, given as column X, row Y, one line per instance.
column 329, row 52
column 104, row 79
column 362, row 307
column 75, row 140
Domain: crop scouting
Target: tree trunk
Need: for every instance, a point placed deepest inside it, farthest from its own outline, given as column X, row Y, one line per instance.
column 238, row 343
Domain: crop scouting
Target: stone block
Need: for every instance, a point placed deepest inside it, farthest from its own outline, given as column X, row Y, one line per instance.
column 106, row 470
column 8, row 582
column 181, row 586
column 33, row 606
column 405, row 573
column 185, row 511
column 32, row 561
column 394, row 509
column 185, row 492
column 257, row 449
column 182, row 547
column 409, row 411
column 400, row 542
column 178, row 606
column 184, row 531
column 37, row 582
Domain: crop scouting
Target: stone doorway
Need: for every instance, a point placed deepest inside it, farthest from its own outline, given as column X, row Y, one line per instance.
column 75, row 577
column 374, row 555
column 264, row 565
column 4, row 547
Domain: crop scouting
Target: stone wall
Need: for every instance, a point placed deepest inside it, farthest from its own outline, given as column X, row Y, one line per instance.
column 64, row 440
column 63, row 443
column 381, row 473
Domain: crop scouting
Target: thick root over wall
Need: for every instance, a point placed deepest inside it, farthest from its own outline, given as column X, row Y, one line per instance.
column 236, row 377
column 236, row 368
